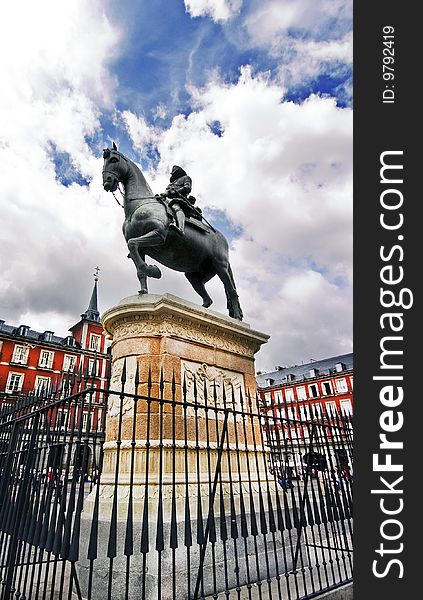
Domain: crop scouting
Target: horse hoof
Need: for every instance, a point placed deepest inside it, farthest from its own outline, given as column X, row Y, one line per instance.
column 154, row 272
column 207, row 303
column 143, row 291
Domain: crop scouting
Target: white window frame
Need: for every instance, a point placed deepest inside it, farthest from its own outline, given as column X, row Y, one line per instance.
column 40, row 381
column 16, row 388
column 21, row 350
column 91, row 362
column 84, row 420
column 95, row 342
column 268, row 398
column 301, row 392
column 46, row 364
column 61, row 418
column 278, row 397
column 289, row 395
column 305, row 412
column 69, row 363
column 346, row 407
column 292, row 413
column 331, row 408
column 322, row 386
column 281, row 413
column 310, row 394
column 341, row 385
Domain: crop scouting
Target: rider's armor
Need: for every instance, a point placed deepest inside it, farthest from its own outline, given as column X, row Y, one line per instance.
column 178, row 192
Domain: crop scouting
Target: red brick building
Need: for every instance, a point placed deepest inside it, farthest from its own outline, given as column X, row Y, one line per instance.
column 291, row 396
column 318, row 385
column 31, row 361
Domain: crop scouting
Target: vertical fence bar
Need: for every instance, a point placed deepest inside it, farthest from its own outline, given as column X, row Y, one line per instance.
column 285, row 542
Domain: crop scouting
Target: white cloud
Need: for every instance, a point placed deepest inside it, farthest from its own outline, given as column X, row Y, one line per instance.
column 279, row 170
column 270, row 19
column 218, row 10
column 140, row 132
column 310, row 58
column 283, row 172
column 57, row 81
column 308, row 38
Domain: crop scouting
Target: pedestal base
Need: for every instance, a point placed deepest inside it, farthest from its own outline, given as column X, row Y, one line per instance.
column 188, row 436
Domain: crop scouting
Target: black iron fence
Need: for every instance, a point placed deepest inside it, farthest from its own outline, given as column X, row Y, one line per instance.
column 182, row 491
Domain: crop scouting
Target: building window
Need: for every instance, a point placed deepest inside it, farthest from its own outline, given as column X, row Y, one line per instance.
column 20, row 355
column 301, row 393
column 281, row 413
column 289, row 395
column 42, row 384
column 46, row 359
column 305, row 412
column 346, row 407
column 341, row 385
column 69, row 362
column 61, row 418
column 352, row 382
column 70, row 341
column 313, row 390
column 268, row 398
column 278, row 397
column 14, row 383
column 331, row 408
column 95, row 342
column 317, row 410
column 327, row 388
column 92, row 367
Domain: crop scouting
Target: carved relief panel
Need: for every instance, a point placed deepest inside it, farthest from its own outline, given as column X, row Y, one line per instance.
column 116, row 385
column 215, row 380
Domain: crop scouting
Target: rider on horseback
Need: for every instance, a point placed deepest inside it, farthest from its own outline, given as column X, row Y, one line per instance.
column 182, row 203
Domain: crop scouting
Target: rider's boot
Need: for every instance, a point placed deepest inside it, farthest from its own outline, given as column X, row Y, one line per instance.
column 179, row 226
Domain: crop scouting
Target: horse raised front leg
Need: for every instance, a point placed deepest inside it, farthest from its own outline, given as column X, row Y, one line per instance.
column 153, row 238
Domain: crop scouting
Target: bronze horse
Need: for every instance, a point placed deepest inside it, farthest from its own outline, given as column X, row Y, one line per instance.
column 201, row 253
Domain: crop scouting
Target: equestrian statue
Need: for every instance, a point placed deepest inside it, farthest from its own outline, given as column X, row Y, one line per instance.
column 170, row 229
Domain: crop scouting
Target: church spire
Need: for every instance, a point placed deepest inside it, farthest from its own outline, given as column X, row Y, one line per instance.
column 92, row 314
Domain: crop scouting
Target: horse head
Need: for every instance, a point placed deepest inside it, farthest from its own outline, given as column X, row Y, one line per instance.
column 115, row 168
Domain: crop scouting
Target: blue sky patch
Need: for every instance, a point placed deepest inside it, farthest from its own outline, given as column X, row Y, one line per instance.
column 66, row 173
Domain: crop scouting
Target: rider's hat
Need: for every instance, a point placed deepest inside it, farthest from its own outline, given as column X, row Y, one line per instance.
column 176, row 172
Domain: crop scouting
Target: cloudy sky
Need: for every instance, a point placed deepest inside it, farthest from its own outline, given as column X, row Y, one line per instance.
column 251, row 97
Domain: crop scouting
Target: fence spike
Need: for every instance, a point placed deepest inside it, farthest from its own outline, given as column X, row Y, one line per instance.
column 123, row 375
column 137, row 378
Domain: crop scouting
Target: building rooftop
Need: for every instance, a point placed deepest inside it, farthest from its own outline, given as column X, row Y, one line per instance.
column 26, row 334
column 311, row 370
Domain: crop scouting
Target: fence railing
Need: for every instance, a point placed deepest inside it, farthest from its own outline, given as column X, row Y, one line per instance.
column 181, row 492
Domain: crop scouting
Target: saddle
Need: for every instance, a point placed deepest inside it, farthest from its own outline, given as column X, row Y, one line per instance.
column 193, row 217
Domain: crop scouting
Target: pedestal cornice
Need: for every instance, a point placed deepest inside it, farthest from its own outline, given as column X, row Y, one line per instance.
column 151, row 314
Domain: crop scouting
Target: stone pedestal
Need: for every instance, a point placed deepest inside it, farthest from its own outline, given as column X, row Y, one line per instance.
column 206, row 359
